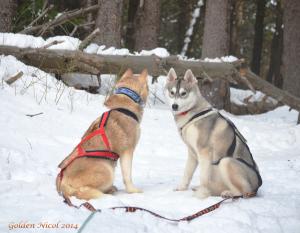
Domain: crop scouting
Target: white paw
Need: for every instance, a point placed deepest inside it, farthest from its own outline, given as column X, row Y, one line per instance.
column 181, row 188
column 194, row 188
column 202, row 192
column 133, row 190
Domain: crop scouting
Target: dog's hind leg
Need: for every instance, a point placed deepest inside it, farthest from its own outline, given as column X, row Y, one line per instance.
column 235, row 176
column 88, row 193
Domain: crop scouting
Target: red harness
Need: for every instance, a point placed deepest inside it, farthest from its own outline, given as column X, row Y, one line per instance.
column 107, row 154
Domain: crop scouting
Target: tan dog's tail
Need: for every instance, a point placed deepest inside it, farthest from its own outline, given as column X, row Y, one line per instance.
column 84, row 192
column 58, row 184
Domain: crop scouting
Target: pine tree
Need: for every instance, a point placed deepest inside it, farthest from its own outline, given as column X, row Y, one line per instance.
column 216, row 44
column 291, row 47
column 7, row 12
column 109, row 21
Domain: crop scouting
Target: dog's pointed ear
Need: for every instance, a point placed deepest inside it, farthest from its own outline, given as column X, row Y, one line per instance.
column 143, row 76
column 171, row 75
column 127, row 74
column 189, row 77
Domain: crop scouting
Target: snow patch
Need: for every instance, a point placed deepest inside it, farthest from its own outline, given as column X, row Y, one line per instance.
column 238, row 96
column 160, row 52
column 222, row 59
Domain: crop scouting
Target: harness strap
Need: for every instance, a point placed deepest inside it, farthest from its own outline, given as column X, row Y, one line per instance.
column 127, row 113
column 196, row 116
column 103, row 154
column 100, row 131
column 200, row 114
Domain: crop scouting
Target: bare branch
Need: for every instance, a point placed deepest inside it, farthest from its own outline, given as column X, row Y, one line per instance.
column 14, row 78
column 156, row 97
column 55, row 42
column 88, row 39
column 33, row 115
column 81, row 25
column 249, row 85
column 60, row 20
column 38, row 18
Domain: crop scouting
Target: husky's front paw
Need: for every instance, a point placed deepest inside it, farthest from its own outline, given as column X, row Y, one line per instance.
column 202, row 192
column 195, row 188
column 133, row 190
column 181, row 188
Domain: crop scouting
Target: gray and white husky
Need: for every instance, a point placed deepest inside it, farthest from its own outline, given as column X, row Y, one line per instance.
column 226, row 164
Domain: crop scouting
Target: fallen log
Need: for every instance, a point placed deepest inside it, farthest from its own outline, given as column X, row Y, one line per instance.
column 66, row 61
column 253, row 107
column 270, row 90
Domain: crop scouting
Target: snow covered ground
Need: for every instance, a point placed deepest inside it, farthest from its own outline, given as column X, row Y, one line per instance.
column 32, row 147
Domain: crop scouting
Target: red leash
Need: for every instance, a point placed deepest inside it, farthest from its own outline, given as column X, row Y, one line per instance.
column 132, row 209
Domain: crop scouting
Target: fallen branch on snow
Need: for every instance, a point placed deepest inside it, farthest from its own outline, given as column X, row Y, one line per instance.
column 66, row 61
column 14, row 78
column 33, row 115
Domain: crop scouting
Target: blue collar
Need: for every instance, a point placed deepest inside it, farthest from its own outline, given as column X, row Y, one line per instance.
column 131, row 94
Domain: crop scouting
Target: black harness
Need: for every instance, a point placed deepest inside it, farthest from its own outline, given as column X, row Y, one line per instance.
column 196, row 116
column 231, row 149
column 127, row 113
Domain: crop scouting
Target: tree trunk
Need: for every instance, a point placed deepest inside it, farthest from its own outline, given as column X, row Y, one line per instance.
column 7, row 12
column 216, row 29
column 90, row 16
column 146, row 24
column 274, row 74
column 109, row 21
column 216, row 44
column 186, row 8
column 236, row 21
column 291, row 47
column 132, row 9
column 258, row 37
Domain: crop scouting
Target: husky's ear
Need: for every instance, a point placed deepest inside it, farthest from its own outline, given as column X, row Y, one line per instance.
column 189, row 77
column 143, row 76
column 171, row 75
column 127, row 74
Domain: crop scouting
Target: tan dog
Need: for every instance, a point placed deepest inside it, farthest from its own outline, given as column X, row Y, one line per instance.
column 88, row 178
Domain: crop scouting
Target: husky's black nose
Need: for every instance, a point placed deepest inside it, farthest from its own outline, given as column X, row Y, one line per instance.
column 175, row 107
